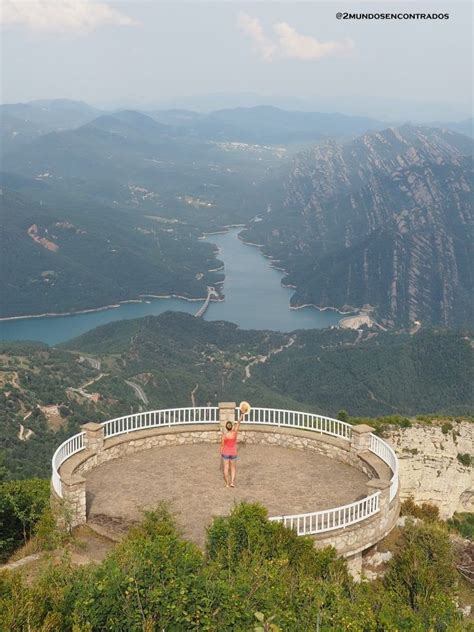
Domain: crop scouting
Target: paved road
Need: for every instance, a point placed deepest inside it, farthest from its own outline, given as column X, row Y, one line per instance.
column 193, row 395
column 202, row 310
column 93, row 362
column 139, row 391
column 263, row 358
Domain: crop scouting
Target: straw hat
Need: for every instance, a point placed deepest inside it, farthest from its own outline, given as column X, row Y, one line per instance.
column 244, row 408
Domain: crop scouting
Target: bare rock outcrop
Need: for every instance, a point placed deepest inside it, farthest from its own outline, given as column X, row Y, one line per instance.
column 430, row 470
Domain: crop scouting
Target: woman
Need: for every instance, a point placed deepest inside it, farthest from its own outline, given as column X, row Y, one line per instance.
column 229, row 451
column 228, row 447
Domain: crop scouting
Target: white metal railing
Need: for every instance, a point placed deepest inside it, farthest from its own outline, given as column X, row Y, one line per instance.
column 309, row 523
column 129, row 423
column 331, row 519
column 388, row 456
column 157, row 418
column 68, row 448
column 297, row 419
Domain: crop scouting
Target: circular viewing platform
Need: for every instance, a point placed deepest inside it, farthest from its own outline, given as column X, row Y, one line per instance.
column 319, row 476
column 189, row 478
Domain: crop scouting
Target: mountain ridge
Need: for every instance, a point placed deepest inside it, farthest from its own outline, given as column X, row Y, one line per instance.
column 363, row 222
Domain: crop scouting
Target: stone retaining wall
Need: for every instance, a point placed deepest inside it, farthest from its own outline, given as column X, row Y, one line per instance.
column 126, row 444
column 362, row 535
column 349, row 541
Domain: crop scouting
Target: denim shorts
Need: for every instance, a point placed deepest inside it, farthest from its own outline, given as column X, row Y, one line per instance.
column 229, row 457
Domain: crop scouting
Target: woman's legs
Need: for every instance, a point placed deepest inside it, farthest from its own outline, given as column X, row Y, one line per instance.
column 232, row 472
column 226, row 471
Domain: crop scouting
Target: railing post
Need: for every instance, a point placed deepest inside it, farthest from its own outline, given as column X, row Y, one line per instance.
column 74, row 497
column 360, row 441
column 94, row 438
column 226, row 413
column 383, row 486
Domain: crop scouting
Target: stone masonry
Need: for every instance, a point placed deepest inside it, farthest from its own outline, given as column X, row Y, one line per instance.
column 226, row 413
column 349, row 541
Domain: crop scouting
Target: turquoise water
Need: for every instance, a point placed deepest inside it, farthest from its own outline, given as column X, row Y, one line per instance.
column 254, row 299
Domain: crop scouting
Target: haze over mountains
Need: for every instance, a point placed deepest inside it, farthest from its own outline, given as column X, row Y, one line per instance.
column 259, row 123
column 21, row 122
column 112, row 204
column 382, row 220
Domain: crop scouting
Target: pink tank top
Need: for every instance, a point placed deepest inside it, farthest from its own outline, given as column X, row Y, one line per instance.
column 230, row 445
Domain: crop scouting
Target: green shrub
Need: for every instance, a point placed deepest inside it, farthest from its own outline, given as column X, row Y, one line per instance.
column 423, row 565
column 463, row 523
column 426, row 419
column 47, row 604
column 381, row 424
column 446, row 427
column 265, row 623
column 343, row 415
column 247, row 534
column 245, row 530
column 48, row 536
column 153, row 578
column 21, row 505
column 465, row 459
column 425, row 511
column 257, row 574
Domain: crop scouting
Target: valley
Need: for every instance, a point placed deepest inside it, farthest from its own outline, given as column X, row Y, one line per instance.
column 112, row 209
column 249, row 282
column 175, row 359
column 236, row 317
column 379, row 222
column 300, row 222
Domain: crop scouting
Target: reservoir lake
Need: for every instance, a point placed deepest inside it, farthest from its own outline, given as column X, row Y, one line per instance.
column 254, row 299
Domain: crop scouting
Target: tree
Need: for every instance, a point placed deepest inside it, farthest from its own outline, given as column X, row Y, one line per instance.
column 21, row 505
column 423, row 566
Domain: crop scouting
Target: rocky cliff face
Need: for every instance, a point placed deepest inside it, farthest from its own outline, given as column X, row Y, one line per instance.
column 383, row 220
column 429, row 467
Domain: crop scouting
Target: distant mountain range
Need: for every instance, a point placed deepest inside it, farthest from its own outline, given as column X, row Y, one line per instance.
column 22, row 122
column 263, row 124
column 267, row 125
column 359, row 215
column 389, row 109
column 111, row 152
column 385, row 221
column 461, row 127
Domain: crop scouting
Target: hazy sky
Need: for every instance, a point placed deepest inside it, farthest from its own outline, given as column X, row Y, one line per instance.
column 152, row 53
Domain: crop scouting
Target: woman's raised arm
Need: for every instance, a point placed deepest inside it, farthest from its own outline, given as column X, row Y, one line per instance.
column 237, row 427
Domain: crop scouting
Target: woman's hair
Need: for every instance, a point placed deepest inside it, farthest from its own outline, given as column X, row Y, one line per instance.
column 229, row 425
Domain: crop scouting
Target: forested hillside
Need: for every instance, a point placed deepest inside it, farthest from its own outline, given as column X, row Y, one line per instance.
column 75, row 254
column 178, row 360
column 22, row 122
column 113, row 209
column 127, row 159
column 384, row 220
